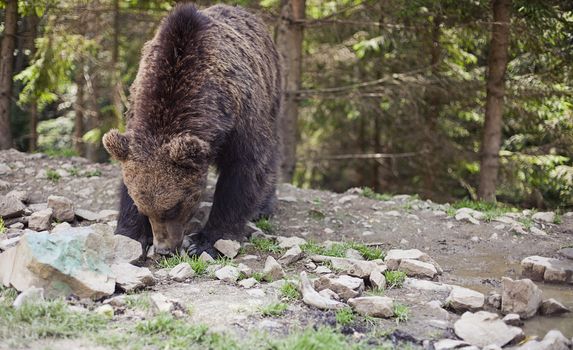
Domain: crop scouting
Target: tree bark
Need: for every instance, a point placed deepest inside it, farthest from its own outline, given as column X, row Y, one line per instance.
column 79, row 113
column 6, row 70
column 32, row 21
column 495, row 88
column 116, row 76
column 289, row 44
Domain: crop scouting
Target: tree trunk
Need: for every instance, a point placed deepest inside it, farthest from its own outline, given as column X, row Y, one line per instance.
column 116, row 98
column 33, row 140
column 6, row 70
column 495, row 88
column 289, row 44
column 31, row 22
column 79, row 113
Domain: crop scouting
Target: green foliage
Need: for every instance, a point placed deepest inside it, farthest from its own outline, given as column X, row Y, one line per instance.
column 339, row 250
column 259, row 276
column 198, row 265
column 265, row 245
column 273, row 310
column 2, row 226
column 290, row 291
column 394, row 279
column 53, row 175
column 376, row 292
column 265, row 225
column 322, row 338
column 344, row 316
column 138, row 302
column 401, row 312
column 489, row 209
column 369, row 193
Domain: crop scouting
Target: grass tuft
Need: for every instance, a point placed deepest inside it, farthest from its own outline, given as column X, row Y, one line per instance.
column 273, row 310
column 290, row 291
column 2, row 226
column 401, row 312
column 339, row 250
column 198, row 265
column 266, row 245
column 369, row 193
column 265, row 225
column 344, row 316
column 491, row 210
column 53, row 175
column 394, row 279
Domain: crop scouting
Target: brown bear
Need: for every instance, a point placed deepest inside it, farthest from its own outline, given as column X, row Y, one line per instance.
column 207, row 92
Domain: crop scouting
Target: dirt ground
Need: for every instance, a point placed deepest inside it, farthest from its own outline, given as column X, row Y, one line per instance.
column 474, row 256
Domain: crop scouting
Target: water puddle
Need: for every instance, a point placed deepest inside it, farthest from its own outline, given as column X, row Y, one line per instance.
column 483, row 273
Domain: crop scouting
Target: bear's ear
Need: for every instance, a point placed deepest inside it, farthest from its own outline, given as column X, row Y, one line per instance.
column 116, row 144
column 188, row 151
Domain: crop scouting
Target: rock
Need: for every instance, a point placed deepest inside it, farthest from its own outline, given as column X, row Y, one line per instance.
column 345, row 286
column 292, row 255
column 552, row 307
column 353, row 254
column 6, row 244
column 248, row 283
column 63, row 208
column 87, row 215
column 512, row 320
column 160, row 303
column 484, row 328
column 352, row 267
column 537, row 232
column 553, row 340
column 327, row 293
column 272, row 270
column 393, row 213
column 566, row 252
column 130, row 278
column 540, row 268
column 228, row 248
column 416, row 268
column 245, row 270
column 312, row 298
column 40, row 220
column 30, row 295
column 4, row 169
column 256, row 292
column 21, row 195
column 522, row 297
column 61, row 227
column 464, row 299
column 61, row 263
column 449, row 344
column 288, row 199
column 17, row 225
column 206, row 257
column 494, row 300
column 10, row 207
column 321, row 270
column 181, row 272
column 347, row 198
column 289, row 242
column 4, row 185
column 374, row 306
column 105, row 310
column 229, row 274
column 547, row 217
column 107, row 215
column 471, row 212
column 394, row 257
column 414, row 283
column 123, row 249
column 466, row 217
column 377, row 279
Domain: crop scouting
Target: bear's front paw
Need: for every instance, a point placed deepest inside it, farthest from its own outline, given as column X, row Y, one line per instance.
column 198, row 247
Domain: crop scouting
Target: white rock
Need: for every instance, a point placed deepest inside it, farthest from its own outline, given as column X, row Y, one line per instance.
column 292, row 255
column 288, row 199
column 537, row 232
column 10, row 207
column 206, row 257
column 40, row 220
column 321, row 270
column 327, row 293
column 377, row 279
column 449, row 344
column 129, row 277
column 312, row 298
column 540, row 268
column 289, row 242
column 181, row 272
column 345, row 286
column 548, row 217
column 347, row 198
column 244, row 270
column 6, row 244
column 63, row 208
column 464, row 299
column 256, row 292
column 88, row 215
column 416, row 268
column 227, row 247
column 466, row 217
column 123, row 249
column 374, row 306
column 229, row 274
column 352, row 267
column 484, row 328
column 272, row 270
column 248, row 283
column 553, row 340
column 522, row 297
column 552, row 307
column 512, row 320
column 393, row 213
column 353, row 254
column 107, row 215
column 160, row 303
column 395, row 256
column 61, row 227
column 30, row 295
column 414, row 283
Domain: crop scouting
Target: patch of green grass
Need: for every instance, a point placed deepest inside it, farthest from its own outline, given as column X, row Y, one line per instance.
column 344, row 316
column 323, row 338
column 369, row 193
column 2, row 226
column 265, row 245
column 273, row 310
column 53, row 175
column 60, row 152
column 265, row 225
column 92, row 173
column 316, row 214
column 491, row 210
column 339, row 250
column 138, row 302
column 74, row 171
column 526, row 221
column 401, row 312
column 40, row 320
column 451, row 212
column 376, row 292
column 198, row 265
column 224, row 261
column 7, row 295
column 290, row 291
column 394, row 279
column 259, row 276
column 558, row 219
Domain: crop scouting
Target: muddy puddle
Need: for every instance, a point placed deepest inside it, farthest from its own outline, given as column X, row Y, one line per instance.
column 484, row 272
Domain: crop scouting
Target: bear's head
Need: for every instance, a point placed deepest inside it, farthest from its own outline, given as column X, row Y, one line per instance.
column 165, row 179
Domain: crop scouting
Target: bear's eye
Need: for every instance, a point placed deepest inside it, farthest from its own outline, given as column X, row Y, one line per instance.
column 172, row 213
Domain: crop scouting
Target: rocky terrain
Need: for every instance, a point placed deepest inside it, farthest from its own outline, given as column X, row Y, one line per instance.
column 330, row 271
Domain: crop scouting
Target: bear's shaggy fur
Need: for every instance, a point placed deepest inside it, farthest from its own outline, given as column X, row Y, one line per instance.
column 207, row 92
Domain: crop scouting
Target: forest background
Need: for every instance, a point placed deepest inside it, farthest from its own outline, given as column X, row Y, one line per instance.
column 447, row 99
